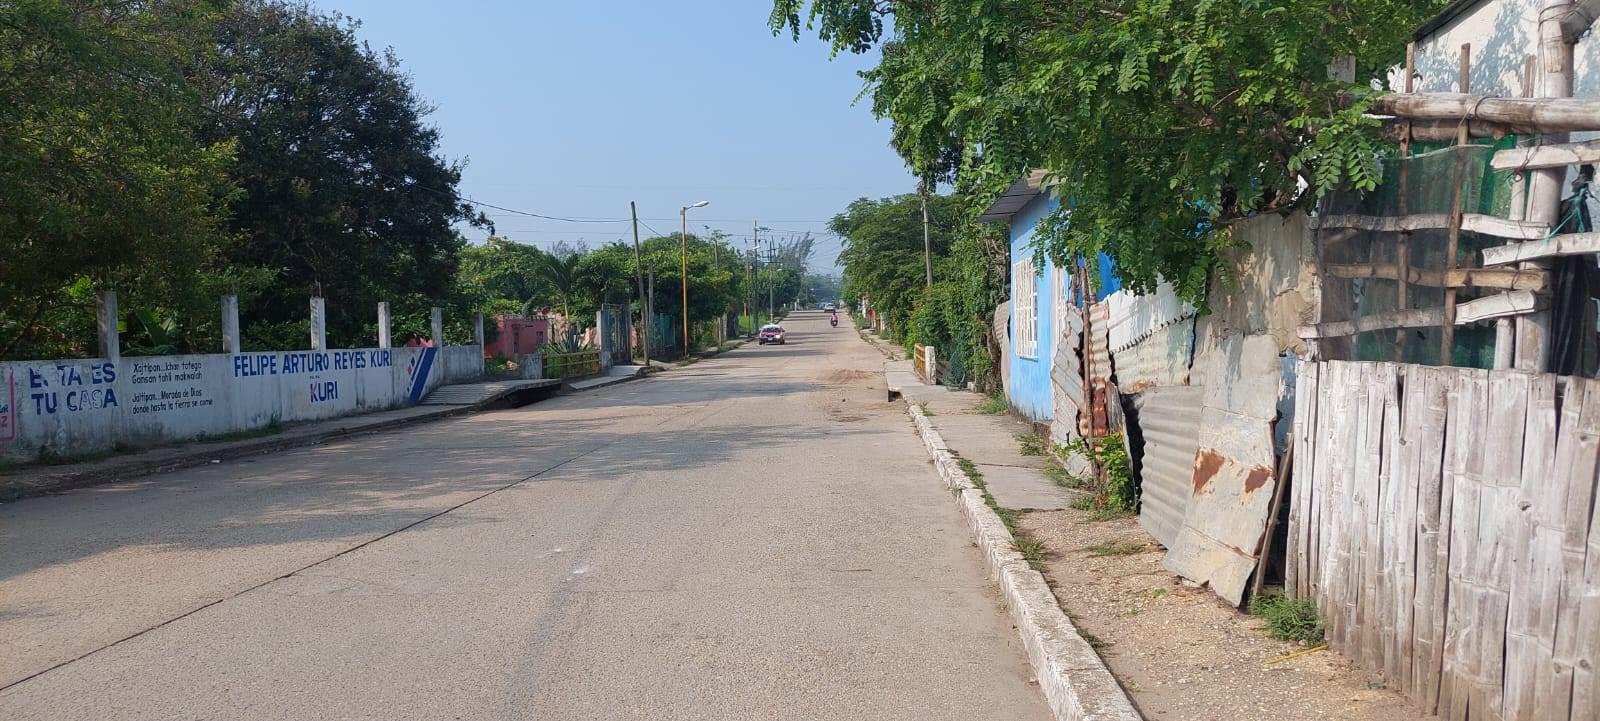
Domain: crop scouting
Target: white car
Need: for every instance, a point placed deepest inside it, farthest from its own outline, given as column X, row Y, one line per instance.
column 828, row 306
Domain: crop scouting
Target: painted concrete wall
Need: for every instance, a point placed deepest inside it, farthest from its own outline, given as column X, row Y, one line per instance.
column 460, row 363
column 1028, row 382
column 1502, row 33
column 72, row 407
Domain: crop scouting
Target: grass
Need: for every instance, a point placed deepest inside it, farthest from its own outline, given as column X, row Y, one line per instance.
column 1033, row 444
column 925, row 409
column 1060, row 476
column 1032, row 550
column 994, row 405
column 1098, row 510
column 1288, row 619
column 1118, row 547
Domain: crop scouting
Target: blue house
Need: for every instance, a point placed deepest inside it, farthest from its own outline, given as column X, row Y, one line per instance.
column 1040, row 294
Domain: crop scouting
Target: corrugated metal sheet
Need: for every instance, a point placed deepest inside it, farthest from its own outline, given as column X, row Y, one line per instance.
column 1161, row 359
column 1066, row 380
column 1099, row 369
column 1135, row 317
column 1234, row 466
column 1169, row 420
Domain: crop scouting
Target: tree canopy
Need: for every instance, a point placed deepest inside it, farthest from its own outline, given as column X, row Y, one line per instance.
column 104, row 180
column 344, row 193
column 1161, row 121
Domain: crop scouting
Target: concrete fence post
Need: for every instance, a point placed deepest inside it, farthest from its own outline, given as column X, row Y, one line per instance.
column 385, row 340
column 932, row 364
column 110, row 339
column 230, row 324
column 319, row 323
column 602, row 330
column 436, row 326
column 477, row 330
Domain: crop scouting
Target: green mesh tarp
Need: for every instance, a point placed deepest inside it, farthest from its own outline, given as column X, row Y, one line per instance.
column 1418, row 185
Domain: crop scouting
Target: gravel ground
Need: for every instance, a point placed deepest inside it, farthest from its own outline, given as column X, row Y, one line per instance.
column 1183, row 654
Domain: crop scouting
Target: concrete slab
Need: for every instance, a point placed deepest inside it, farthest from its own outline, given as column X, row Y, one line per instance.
column 987, row 439
column 1023, row 488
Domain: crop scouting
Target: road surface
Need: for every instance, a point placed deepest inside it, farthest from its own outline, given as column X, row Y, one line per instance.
column 756, row 536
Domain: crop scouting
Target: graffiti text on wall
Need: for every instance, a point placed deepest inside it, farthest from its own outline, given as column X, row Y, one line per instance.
column 182, row 396
column 8, row 410
column 72, row 387
column 246, row 365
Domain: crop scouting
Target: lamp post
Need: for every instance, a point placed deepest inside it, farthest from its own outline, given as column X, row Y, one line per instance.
column 683, row 259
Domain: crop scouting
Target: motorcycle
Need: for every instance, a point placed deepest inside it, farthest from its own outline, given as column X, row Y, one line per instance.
column 834, row 321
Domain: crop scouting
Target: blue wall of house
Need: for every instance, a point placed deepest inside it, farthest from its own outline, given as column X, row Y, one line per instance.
column 1028, row 384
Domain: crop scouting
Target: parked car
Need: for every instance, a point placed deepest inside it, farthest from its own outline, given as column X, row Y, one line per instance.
column 828, row 306
column 770, row 333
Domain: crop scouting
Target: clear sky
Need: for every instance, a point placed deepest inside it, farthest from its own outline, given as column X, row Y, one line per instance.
column 574, row 108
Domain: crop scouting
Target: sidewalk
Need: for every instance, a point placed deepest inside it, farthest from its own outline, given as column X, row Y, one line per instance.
column 991, row 442
column 1174, row 650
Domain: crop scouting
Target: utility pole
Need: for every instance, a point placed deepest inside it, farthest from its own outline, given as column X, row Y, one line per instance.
column 650, row 297
column 755, row 254
column 683, row 257
column 927, row 247
column 638, row 273
column 772, row 281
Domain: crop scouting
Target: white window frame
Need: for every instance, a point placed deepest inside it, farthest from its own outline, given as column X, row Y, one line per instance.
column 1025, row 307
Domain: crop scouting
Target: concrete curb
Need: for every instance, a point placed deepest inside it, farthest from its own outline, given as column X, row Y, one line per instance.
column 1076, row 683
column 48, row 483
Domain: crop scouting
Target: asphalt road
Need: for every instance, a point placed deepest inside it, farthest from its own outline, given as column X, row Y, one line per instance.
column 756, row 536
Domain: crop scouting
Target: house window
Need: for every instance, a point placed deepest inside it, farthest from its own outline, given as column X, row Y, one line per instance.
column 1025, row 307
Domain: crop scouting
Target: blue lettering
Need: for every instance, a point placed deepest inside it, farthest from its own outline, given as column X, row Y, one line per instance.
column 37, row 380
column 103, row 373
column 44, row 403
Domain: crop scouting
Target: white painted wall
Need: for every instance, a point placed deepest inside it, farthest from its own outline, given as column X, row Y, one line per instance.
column 1502, row 33
column 71, row 407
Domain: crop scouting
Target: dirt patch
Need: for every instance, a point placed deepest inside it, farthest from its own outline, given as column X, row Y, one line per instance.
column 1180, row 652
column 848, row 375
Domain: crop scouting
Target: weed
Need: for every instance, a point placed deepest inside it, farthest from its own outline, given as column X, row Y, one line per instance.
column 1116, row 489
column 1153, row 593
column 925, row 409
column 1102, row 514
column 1083, row 503
column 1032, row 444
column 1118, row 547
column 1032, row 550
column 1060, row 476
column 994, row 405
column 1288, row 619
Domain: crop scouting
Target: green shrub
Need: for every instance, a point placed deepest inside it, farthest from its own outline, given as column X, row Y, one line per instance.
column 1289, row 619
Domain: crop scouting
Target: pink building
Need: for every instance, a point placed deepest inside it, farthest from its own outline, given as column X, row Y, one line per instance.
column 517, row 336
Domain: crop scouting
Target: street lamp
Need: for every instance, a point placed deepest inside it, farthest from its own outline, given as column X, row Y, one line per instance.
column 683, row 258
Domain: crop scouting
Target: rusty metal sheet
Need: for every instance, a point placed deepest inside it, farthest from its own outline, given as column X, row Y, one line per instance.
column 1160, row 359
column 1168, row 419
column 1100, row 369
column 1231, row 487
column 1134, row 317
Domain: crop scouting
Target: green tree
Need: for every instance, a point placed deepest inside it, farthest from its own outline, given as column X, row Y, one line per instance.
column 883, row 253
column 557, row 271
column 103, row 183
column 1162, row 121
column 345, row 194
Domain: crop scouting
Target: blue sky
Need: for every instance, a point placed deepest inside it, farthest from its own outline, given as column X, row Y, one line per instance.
column 575, row 108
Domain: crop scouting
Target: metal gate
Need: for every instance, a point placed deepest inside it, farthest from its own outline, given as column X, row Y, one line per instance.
column 614, row 341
